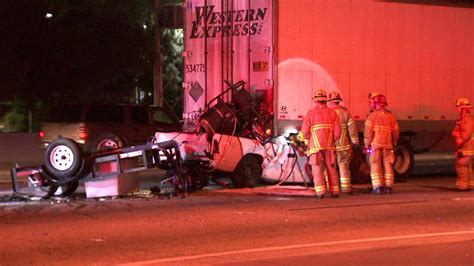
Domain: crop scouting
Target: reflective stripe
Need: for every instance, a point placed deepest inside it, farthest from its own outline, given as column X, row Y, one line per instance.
column 382, row 128
column 343, row 148
column 345, row 180
column 389, row 180
column 319, row 126
column 376, row 180
column 317, row 146
column 314, row 133
column 334, row 189
column 320, row 189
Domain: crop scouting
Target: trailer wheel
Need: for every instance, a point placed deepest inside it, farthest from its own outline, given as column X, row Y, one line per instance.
column 404, row 160
column 107, row 142
column 63, row 159
column 248, row 172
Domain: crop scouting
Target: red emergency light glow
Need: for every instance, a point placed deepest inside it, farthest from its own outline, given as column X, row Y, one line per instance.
column 41, row 134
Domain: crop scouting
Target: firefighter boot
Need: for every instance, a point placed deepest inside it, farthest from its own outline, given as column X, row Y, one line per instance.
column 320, row 196
column 377, row 191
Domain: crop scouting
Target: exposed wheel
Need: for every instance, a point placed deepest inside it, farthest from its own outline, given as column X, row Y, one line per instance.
column 248, row 172
column 63, row 159
column 404, row 160
column 182, row 182
column 108, row 142
column 196, row 176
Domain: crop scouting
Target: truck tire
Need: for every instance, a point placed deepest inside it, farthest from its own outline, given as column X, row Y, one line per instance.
column 63, row 159
column 248, row 173
column 360, row 170
column 404, row 160
column 108, row 141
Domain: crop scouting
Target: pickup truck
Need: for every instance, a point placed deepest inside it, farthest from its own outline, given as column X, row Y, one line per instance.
column 106, row 126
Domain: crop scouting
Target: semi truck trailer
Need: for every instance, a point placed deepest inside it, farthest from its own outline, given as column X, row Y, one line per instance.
column 419, row 54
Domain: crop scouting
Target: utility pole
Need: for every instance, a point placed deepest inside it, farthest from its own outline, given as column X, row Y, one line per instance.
column 158, row 69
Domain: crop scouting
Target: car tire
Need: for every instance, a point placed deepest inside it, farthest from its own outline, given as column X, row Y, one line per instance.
column 107, row 142
column 63, row 159
column 248, row 173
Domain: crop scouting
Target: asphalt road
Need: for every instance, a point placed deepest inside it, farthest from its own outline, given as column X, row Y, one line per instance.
column 425, row 222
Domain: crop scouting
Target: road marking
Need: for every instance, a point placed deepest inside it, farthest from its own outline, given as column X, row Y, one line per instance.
column 359, row 205
column 289, row 247
column 460, row 199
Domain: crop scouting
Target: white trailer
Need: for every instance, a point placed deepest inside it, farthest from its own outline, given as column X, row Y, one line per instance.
column 419, row 55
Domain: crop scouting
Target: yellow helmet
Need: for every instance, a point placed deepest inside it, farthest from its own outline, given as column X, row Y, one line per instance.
column 320, row 96
column 463, row 103
column 334, row 96
column 380, row 99
column 373, row 94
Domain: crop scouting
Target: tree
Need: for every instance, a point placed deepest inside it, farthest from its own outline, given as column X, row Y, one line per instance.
column 85, row 51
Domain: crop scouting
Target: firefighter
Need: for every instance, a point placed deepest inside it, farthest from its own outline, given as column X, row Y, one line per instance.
column 463, row 134
column 349, row 137
column 371, row 100
column 322, row 128
column 380, row 137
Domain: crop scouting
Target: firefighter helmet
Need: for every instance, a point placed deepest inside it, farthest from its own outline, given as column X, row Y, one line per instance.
column 463, row 103
column 381, row 100
column 334, row 96
column 373, row 94
column 320, row 96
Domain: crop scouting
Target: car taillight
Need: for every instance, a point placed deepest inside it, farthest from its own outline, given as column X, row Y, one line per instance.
column 83, row 133
column 41, row 134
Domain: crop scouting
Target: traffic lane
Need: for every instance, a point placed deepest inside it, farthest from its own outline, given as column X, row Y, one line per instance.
column 459, row 252
column 453, row 248
column 451, row 253
column 141, row 230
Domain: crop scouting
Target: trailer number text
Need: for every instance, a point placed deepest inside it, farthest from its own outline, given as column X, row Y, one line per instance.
column 190, row 68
